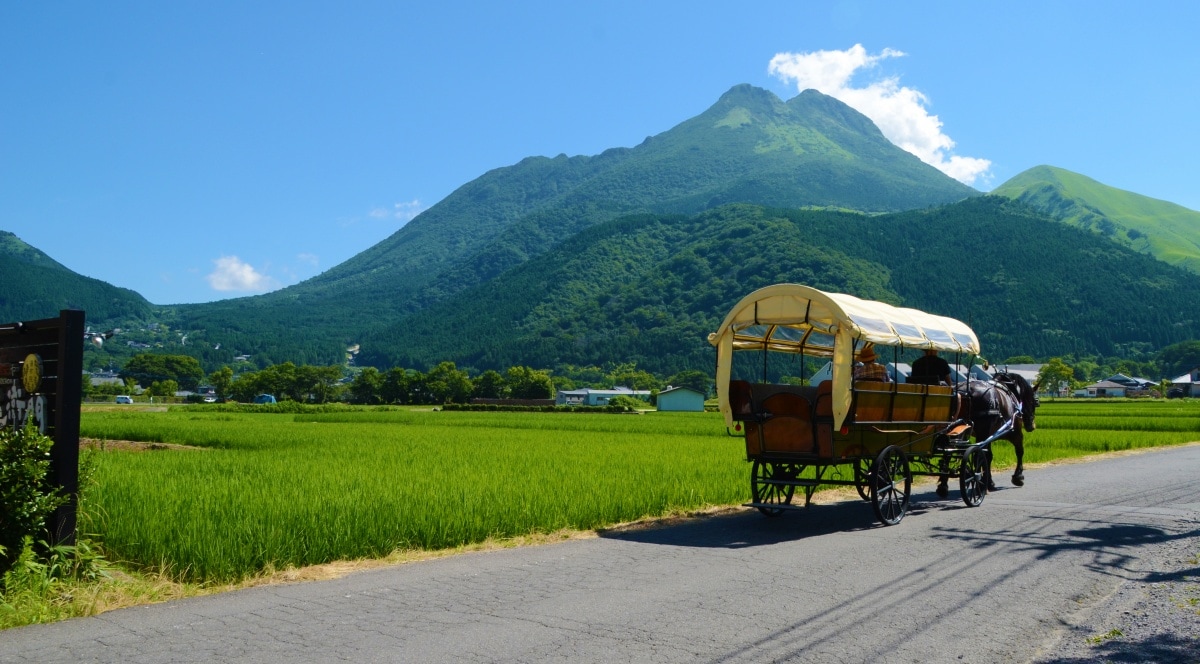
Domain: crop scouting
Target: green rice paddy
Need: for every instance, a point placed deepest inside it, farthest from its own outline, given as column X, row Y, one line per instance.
column 269, row 490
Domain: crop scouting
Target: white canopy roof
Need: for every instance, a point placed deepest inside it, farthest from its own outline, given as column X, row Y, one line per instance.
column 800, row 319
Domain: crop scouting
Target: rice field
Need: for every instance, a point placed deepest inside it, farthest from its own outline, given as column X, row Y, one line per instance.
column 271, row 490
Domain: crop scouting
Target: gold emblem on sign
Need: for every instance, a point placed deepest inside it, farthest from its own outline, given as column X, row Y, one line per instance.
column 31, row 373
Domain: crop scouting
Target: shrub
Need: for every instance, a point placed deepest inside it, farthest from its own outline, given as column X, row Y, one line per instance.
column 628, row 403
column 26, row 498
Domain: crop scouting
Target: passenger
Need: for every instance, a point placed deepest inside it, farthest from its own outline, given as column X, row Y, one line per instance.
column 930, row 369
column 870, row 369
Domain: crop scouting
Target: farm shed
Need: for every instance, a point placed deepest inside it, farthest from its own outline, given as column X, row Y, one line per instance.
column 590, row 397
column 680, row 399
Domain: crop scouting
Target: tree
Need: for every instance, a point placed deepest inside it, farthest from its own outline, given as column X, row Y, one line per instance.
column 628, row 375
column 1087, row 371
column 222, row 382
column 366, row 386
column 697, row 380
column 314, row 383
column 448, row 384
column 249, row 385
column 146, row 368
column 490, row 385
column 395, row 386
column 163, row 388
column 526, row 383
column 1180, row 358
column 1055, row 375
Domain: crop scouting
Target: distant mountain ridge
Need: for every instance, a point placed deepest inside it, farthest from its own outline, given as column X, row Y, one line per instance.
column 35, row 286
column 1169, row 232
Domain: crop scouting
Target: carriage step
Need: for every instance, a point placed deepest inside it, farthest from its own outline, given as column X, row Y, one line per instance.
column 774, row 506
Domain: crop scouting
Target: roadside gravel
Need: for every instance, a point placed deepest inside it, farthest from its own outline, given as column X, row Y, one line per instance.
column 1151, row 619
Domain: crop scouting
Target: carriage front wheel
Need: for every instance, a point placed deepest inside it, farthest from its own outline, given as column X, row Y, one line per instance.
column 891, row 485
column 772, row 485
column 972, row 477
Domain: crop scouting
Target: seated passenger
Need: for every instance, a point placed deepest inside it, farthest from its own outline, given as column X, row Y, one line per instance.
column 869, row 369
column 930, row 370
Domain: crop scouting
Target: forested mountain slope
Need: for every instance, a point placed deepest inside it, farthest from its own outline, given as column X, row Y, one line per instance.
column 748, row 147
column 35, row 286
column 1169, row 232
column 650, row 288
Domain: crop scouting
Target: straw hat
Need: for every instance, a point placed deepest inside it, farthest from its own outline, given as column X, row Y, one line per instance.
column 867, row 354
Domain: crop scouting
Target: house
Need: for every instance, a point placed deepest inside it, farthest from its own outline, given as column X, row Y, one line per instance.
column 105, row 378
column 680, row 399
column 1188, row 384
column 592, row 397
column 1134, row 387
column 1105, row 388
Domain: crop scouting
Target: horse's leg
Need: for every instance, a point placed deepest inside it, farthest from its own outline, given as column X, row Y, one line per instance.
column 987, row 470
column 1018, row 441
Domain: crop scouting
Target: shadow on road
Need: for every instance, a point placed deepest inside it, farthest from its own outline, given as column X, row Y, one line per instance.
column 748, row 528
column 1112, row 545
column 1160, row 648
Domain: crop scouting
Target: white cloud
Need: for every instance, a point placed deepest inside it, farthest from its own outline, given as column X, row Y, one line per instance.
column 231, row 274
column 402, row 211
column 309, row 259
column 406, row 211
column 900, row 112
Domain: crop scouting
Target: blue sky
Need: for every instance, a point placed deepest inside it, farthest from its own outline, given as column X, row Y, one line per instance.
column 196, row 151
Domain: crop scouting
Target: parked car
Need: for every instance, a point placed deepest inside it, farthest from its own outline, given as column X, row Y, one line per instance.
column 1175, row 393
column 210, row 399
column 264, row 398
column 124, row 398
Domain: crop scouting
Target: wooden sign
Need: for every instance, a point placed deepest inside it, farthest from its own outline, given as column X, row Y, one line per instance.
column 41, row 382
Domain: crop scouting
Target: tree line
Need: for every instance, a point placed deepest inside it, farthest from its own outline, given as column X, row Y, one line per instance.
column 163, row 375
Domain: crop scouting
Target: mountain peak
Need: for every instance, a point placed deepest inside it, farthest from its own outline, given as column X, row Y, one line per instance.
column 744, row 93
column 11, row 245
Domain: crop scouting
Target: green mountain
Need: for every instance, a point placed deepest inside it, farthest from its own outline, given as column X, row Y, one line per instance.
column 650, row 288
column 1169, row 232
column 811, row 151
column 37, row 286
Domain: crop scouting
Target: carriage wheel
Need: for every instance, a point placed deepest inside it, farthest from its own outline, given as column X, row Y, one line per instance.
column 972, row 477
column 862, row 479
column 891, row 485
column 764, row 478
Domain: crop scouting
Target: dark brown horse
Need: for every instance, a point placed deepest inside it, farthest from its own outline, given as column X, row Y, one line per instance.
column 998, row 404
column 1001, row 408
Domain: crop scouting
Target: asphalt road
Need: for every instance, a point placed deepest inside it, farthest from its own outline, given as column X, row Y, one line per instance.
column 1031, row 575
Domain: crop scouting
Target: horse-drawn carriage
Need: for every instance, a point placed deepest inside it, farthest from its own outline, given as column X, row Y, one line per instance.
column 871, row 434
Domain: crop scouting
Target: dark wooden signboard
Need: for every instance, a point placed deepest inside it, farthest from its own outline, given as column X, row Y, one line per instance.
column 41, row 380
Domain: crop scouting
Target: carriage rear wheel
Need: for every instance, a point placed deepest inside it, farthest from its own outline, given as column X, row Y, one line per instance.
column 771, row 485
column 972, row 477
column 862, row 479
column 891, row 485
